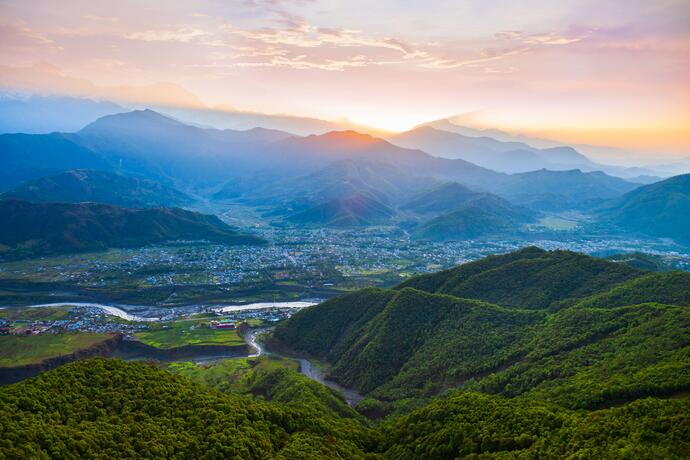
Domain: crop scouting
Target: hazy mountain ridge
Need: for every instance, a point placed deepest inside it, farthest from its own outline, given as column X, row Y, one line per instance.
column 479, row 215
column 509, row 157
column 83, row 185
column 661, row 209
column 353, row 211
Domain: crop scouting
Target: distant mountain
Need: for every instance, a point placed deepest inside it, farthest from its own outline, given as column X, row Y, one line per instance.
column 661, row 209
column 480, row 215
column 149, row 143
column 445, row 124
column 146, row 143
column 333, row 146
column 228, row 118
column 26, row 157
column 490, row 153
column 45, row 228
column 46, row 114
column 443, row 198
column 83, row 185
column 385, row 182
column 553, row 190
column 353, row 211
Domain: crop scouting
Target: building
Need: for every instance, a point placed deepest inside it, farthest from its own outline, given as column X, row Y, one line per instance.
column 222, row 324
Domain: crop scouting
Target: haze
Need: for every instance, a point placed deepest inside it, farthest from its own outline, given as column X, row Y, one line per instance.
column 583, row 72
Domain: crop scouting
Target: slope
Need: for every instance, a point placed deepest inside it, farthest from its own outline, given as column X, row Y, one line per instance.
column 661, row 209
column 81, row 185
column 43, row 228
column 112, row 408
column 352, row 211
column 405, row 346
column 480, row 215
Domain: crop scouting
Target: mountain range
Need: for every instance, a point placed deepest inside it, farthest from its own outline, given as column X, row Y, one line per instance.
column 509, row 157
column 340, row 173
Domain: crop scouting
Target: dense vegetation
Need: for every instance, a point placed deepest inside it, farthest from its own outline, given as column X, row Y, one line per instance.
column 528, row 278
column 270, row 378
column 113, row 409
column 101, row 408
column 467, row 424
column 597, row 366
column 567, row 328
column 40, row 228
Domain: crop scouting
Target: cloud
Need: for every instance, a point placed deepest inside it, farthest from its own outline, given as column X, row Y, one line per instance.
column 548, row 38
column 181, row 34
column 487, row 55
column 17, row 35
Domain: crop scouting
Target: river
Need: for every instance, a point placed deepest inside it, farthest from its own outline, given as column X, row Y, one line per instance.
column 147, row 313
column 306, row 367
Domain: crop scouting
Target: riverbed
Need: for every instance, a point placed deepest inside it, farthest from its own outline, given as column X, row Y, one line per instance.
column 143, row 313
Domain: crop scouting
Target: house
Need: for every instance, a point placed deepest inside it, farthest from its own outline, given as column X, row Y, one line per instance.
column 222, row 324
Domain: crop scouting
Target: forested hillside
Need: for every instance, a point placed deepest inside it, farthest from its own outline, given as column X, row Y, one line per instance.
column 113, row 409
column 548, row 326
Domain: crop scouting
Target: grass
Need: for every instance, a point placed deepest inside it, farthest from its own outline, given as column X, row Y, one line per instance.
column 35, row 314
column 33, row 349
column 229, row 374
column 556, row 223
column 188, row 332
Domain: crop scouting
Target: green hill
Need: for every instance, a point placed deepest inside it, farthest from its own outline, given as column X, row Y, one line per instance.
column 353, row 211
column 444, row 198
column 671, row 288
column 114, row 409
column 469, row 425
column 480, row 215
column 528, row 278
column 404, row 346
column 661, row 209
column 100, row 408
column 44, row 228
column 83, row 185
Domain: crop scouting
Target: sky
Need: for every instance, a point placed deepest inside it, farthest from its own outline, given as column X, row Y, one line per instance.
column 599, row 72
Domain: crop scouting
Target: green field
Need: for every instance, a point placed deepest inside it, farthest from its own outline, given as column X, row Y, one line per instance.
column 556, row 223
column 188, row 332
column 231, row 374
column 32, row 349
column 34, row 314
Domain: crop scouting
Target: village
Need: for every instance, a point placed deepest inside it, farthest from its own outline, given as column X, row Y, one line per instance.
column 96, row 320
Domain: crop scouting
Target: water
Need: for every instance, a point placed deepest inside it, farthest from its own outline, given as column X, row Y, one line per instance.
column 159, row 314
column 264, row 305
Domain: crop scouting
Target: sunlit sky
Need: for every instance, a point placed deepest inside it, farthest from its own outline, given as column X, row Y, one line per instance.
column 591, row 71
